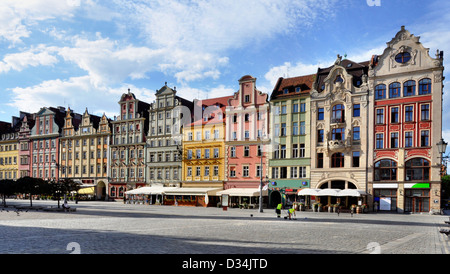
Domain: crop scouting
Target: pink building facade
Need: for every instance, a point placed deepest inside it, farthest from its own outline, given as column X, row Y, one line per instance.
column 247, row 125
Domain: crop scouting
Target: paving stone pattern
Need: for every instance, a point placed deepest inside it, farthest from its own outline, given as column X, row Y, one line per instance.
column 116, row 228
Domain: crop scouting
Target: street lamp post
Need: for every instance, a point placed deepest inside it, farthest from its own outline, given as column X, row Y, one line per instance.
column 442, row 148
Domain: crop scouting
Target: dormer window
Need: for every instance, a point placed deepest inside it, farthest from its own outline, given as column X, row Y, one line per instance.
column 298, row 89
column 285, row 91
column 403, row 57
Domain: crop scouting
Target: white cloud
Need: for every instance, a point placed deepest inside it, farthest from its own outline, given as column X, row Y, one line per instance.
column 199, row 34
column 76, row 92
column 16, row 17
column 39, row 56
column 108, row 63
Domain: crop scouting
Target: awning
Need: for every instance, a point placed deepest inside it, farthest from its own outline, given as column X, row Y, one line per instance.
column 308, row 192
column 352, row 193
column 87, row 191
column 194, row 191
column 149, row 190
column 329, row 192
column 243, row 192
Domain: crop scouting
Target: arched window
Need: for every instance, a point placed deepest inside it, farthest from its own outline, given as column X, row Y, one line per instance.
column 121, row 189
column 403, row 57
column 380, row 92
column 386, row 170
column 338, row 115
column 337, row 160
column 409, row 88
column 417, row 169
column 394, row 90
column 425, row 86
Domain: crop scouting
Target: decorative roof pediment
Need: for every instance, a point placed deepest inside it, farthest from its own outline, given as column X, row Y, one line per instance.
column 404, row 53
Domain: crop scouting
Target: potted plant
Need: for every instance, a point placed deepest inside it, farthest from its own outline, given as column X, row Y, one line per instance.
column 314, row 207
column 301, row 206
column 365, row 208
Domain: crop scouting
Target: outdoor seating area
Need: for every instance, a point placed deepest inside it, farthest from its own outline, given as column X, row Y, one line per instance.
column 333, row 201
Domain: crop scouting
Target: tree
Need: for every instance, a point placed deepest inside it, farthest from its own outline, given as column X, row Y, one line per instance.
column 7, row 188
column 31, row 186
column 63, row 187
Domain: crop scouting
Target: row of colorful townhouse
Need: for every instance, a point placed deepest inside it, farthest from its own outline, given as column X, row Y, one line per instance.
column 369, row 129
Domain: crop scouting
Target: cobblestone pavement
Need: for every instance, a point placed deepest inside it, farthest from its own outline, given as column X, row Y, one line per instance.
column 115, row 228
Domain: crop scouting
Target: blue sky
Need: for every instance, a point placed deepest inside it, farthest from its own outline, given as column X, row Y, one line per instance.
column 86, row 53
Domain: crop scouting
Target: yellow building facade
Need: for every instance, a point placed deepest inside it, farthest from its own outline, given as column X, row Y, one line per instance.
column 9, row 155
column 204, row 158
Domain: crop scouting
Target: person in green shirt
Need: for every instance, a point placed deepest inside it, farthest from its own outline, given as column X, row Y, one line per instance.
column 278, row 210
column 291, row 212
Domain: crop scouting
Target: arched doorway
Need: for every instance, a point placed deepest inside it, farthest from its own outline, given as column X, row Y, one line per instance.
column 275, row 199
column 101, row 191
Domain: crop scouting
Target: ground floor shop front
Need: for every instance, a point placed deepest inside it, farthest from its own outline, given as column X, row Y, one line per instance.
column 406, row 197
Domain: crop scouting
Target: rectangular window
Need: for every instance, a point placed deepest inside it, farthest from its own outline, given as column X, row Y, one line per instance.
column 232, row 172
column 295, row 108
column 283, row 172
column 302, row 150
column 380, row 116
column 408, row 139
column 216, row 171
column 356, row 155
column 356, row 134
column 198, row 171
column 233, row 152
column 302, row 128
column 320, row 136
column 283, row 152
column 258, row 171
column 246, row 151
column 283, row 129
column 245, row 171
column 295, row 128
column 206, row 173
column 425, row 138
column 275, row 174
column 379, row 141
column 302, row 172
column 320, row 114
column 319, row 160
column 338, row 134
column 356, row 110
column 247, row 98
column 425, row 112
column 394, row 115
column 302, row 107
column 409, row 114
column 295, row 151
column 294, row 172
column 189, row 171
column 394, row 140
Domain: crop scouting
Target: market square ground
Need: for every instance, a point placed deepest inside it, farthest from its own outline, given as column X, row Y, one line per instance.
column 117, row 228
